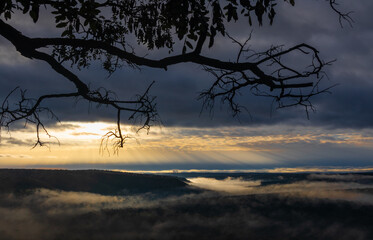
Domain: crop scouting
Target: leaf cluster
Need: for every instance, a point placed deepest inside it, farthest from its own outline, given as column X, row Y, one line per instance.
column 154, row 23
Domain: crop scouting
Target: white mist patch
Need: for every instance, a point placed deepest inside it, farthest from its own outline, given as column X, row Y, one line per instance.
column 236, row 186
column 345, row 191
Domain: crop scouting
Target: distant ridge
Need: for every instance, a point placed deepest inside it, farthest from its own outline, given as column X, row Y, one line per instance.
column 94, row 181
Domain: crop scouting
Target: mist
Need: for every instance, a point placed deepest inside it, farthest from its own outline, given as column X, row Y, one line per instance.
column 326, row 206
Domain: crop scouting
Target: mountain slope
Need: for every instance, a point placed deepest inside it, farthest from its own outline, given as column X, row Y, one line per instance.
column 94, row 181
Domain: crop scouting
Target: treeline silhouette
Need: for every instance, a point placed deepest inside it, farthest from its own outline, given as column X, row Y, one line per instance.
column 93, row 181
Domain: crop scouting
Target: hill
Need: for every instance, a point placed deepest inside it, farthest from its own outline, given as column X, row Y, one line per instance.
column 93, row 181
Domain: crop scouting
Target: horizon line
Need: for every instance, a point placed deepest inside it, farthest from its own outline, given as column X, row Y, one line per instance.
column 318, row 169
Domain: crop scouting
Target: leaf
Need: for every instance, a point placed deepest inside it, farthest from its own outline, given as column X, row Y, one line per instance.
column 212, row 36
column 292, row 2
column 211, row 42
column 59, row 18
column 192, row 36
column 259, row 11
column 231, row 11
column 62, row 24
column 34, row 16
column 7, row 15
column 189, row 44
column 77, row 24
column 65, row 33
column 34, row 13
column 26, row 6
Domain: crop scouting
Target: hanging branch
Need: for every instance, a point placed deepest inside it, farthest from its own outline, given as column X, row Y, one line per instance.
column 98, row 30
column 284, row 79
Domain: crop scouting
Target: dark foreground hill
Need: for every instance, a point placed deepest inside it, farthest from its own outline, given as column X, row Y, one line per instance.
column 93, row 181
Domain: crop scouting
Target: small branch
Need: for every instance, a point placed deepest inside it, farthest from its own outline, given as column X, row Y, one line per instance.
column 341, row 15
column 283, row 80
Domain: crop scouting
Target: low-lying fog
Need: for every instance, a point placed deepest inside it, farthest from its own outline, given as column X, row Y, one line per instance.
column 320, row 206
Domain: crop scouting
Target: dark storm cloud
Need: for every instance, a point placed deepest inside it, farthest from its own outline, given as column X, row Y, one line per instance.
column 177, row 89
column 348, row 106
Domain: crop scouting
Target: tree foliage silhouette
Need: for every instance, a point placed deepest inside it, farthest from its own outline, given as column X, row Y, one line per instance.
column 99, row 30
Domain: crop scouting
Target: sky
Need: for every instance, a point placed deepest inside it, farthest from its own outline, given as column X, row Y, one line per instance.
column 338, row 135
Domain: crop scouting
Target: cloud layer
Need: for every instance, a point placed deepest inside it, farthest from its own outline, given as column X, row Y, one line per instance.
column 348, row 107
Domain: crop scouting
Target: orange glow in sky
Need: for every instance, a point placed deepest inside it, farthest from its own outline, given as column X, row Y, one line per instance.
column 80, row 144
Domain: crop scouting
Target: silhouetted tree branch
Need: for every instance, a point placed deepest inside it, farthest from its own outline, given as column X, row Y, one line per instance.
column 281, row 83
column 343, row 16
column 98, row 30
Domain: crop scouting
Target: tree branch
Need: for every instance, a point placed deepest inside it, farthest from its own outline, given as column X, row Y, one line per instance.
column 29, row 110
